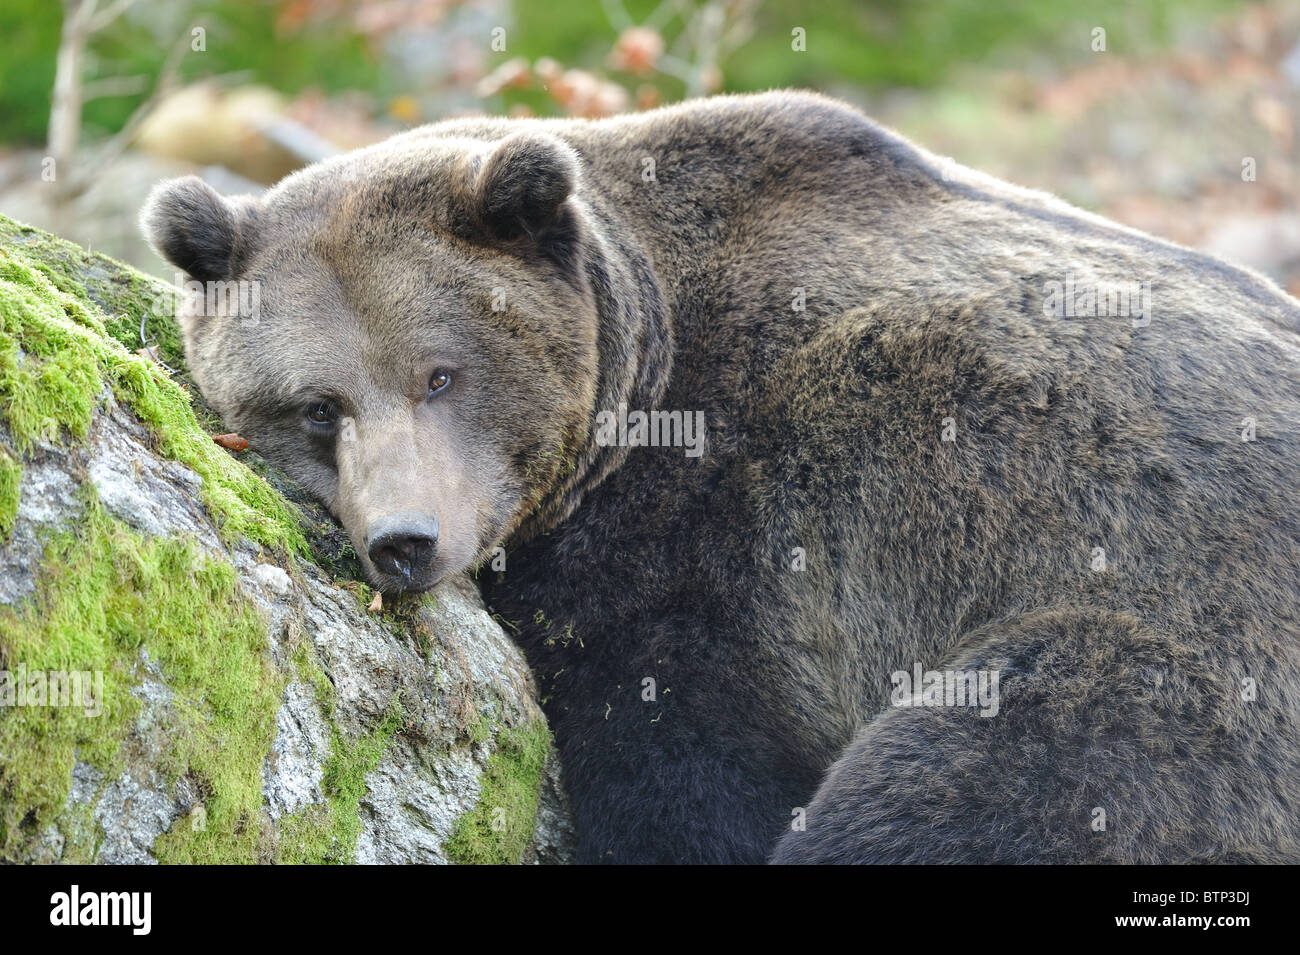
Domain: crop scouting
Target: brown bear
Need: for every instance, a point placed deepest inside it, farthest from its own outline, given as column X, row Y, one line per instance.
column 849, row 505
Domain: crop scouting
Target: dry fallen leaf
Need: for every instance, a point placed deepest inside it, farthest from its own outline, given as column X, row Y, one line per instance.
column 231, row 442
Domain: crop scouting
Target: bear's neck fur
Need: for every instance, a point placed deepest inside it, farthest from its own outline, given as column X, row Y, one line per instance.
column 634, row 359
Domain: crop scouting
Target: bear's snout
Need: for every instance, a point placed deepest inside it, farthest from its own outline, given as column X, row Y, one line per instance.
column 403, row 546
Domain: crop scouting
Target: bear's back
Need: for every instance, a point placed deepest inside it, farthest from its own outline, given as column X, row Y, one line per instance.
column 841, row 296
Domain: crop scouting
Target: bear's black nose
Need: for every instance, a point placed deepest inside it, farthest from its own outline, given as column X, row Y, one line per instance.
column 403, row 545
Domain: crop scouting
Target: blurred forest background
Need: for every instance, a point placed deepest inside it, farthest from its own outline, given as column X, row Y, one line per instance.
column 1175, row 116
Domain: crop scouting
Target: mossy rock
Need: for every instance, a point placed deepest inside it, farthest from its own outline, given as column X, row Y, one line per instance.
column 188, row 669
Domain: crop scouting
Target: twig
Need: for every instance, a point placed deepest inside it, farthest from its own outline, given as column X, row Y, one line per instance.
column 149, row 348
column 65, row 108
column 114, row 86
column 617, row 16
column 118, row 143
column 663, row 14
column 107, row 16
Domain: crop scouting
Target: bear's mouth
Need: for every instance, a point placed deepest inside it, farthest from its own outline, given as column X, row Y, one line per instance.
column 395, row 584
column 393, row 590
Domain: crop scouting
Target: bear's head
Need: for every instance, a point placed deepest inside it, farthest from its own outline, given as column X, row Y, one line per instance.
column 410, row 330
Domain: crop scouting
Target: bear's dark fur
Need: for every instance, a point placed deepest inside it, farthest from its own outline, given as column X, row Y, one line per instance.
column 908, row 461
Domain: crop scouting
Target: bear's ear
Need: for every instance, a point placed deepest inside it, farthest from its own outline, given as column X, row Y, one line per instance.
column 196, row 229
column 521, row 192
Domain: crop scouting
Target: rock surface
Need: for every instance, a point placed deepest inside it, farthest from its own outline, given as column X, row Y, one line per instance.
column 407, row 735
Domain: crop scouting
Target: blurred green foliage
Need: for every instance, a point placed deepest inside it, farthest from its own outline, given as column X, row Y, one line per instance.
column 909, row 43
column 241, row 37
column 879, row 43
column 29, row 37
column 850, row 43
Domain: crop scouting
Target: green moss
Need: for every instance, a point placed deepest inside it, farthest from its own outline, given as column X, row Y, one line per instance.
column 311, row 673
column 328, row 834
column 498, row 829
column 56, row 356
column 68, row 319
column 480, row 731
column 11, row 473
column 105, row 594
column 118, row 293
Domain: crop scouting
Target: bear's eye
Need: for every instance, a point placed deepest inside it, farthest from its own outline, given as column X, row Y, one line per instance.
column 322, row 412
column 439, row 381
